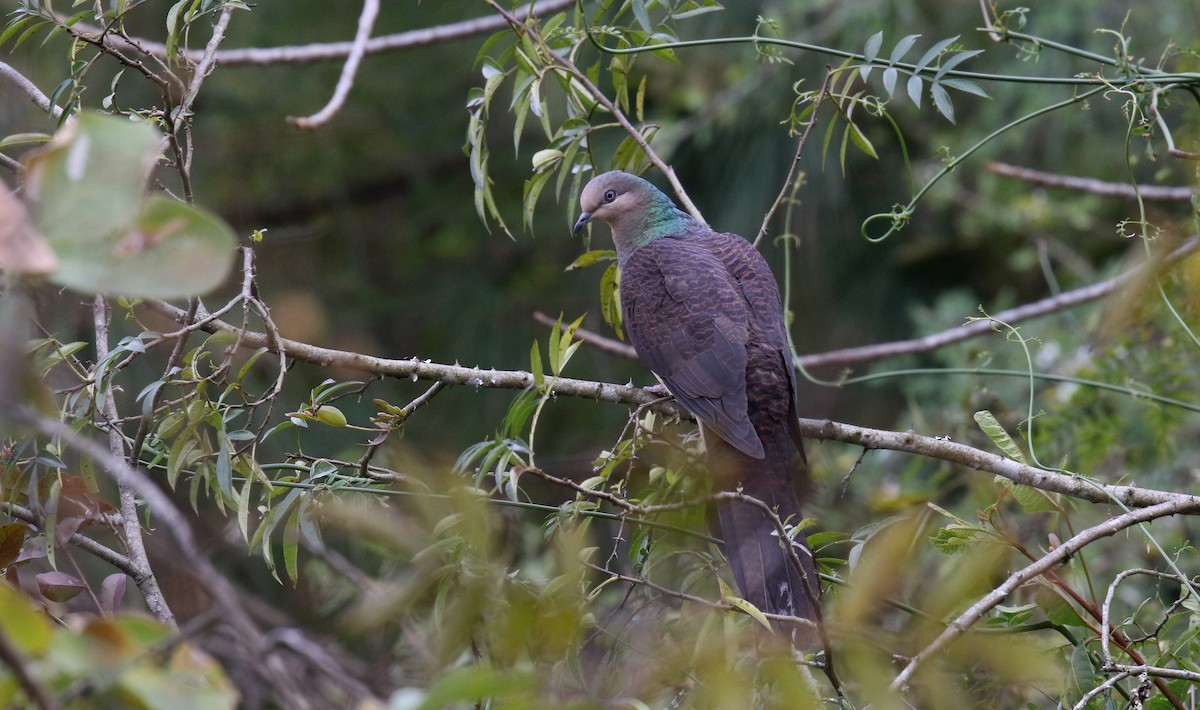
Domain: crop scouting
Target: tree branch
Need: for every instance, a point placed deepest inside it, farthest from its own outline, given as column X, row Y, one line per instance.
column 366, row 23
column 130, row 523
column 866, row 353
column 12, row 657
column 1093, row 186
column 83, row 542
column 969, row 617
column 332, row 51
column 632, row 396
column 30, row 89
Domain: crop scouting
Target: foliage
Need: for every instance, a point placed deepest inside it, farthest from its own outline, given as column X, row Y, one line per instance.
column 514, row 576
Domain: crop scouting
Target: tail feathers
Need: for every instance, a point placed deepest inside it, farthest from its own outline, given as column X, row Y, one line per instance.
column 765, row 573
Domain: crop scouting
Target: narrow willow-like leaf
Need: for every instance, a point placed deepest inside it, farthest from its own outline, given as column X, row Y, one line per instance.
column 871, row 48
column 988, row 425
column 934, row 52
column 914, row 89
column 906, row 43
column 957, row 59
column 535, row 365
column 889, row 81
column 942, row 102
column 966, row 85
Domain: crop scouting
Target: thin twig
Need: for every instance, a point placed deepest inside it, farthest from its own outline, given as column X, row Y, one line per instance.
column 1085, row 537
column 794, row 169
column 203, row 69
column 333, row 51
column 1093, row 186
column 565, row 63
column 366, row 23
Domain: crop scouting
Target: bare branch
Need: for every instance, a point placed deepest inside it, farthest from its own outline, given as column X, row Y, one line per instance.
column 30, row 89
column 795, row 166
column 950, row 336
column 978, row 460
column 632, row 396
column 1090, row 185
column 972, row 615
column 143, row 574
column 332, row 51
column 366, row 23
column 83, row 542
column 208, row 59
column 1046, row 306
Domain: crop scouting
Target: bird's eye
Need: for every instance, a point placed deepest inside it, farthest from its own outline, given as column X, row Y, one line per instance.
column 610, row 195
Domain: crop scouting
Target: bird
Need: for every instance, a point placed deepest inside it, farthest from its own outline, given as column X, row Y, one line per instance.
column 703, row 312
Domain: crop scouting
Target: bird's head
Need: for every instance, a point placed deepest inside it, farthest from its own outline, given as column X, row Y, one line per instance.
column 627, row 203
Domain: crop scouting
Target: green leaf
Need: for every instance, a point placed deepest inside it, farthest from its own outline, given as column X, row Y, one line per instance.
column 591, row 257
column 988, row 424
column 955, row 61
column 554, row 353
column 861, row 142
column 90, row 180
column 566, row 347
column 224, row 465
column 28, row 628
column 934, row 52
column 24, row 139
column 330, row 415
column 954, row 539
column 610, row 298
column 642, row 16
column 535, row 366
column 942, row 102
column 889, row 81
column 966, row 85
column 914, row 89
column 871, row 49
column 291, row 544
column 171, row 250
column 902, row 48
column 477, row 683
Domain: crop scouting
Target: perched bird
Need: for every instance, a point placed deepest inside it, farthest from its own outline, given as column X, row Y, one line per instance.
column 703, row 311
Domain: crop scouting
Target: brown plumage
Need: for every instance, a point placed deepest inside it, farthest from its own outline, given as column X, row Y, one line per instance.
column 703, row 311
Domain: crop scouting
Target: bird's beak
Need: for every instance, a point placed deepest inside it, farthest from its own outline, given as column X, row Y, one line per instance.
column 581, row 223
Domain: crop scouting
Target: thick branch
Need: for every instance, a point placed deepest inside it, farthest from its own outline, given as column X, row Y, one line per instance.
column 632, row 396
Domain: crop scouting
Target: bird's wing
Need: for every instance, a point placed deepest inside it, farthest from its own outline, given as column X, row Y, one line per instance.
column 688, row 320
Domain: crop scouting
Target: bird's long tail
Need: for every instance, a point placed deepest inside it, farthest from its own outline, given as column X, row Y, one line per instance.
column 767, row 576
